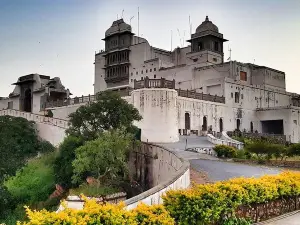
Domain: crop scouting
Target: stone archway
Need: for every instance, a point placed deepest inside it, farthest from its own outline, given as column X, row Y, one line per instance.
column 204, row 123
column 27, row 101
column 238, row 124
column 221, row 124
column 251, row 127
column 187, row 121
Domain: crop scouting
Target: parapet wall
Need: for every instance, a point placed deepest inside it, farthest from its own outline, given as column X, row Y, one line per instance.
column 169, row 172
column 49, row 129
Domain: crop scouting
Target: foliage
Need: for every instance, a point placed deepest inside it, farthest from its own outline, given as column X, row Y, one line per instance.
column 104, row 158
column 18, row 143
column 63, row 163
column 110, row 111
column 208, row 203
column 6, row 201
column 237, row 221
column 105, row 214
column 49, row 113
column 294, row 150
column 225, row 151
column 45, row 147
column 34, row 182
column 93, row 190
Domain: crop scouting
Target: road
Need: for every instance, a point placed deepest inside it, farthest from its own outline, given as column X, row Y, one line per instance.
column 215, row 169
column 219, row 170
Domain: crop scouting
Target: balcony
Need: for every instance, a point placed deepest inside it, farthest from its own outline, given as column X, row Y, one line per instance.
column 116, row 78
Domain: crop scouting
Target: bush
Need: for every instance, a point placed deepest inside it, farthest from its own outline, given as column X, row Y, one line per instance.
column 204, row 204
column 105, row 214
column 45, row 146
column 6, row 201
column 105, row 158
column 93, row 190
column 63, row 163
column 294, row 150
column 225, row 151
column 34, row 182
column 237, row 221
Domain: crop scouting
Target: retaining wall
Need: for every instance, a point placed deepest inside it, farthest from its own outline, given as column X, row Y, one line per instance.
column 49, row 129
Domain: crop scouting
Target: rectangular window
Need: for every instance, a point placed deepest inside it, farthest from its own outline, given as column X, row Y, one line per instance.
column 231, row 95
column 142, row 78
column 10, row 105
column 137, row 73
column 150, row 70
column 243, row 75
column 154, row 76
column 131, row 73
column 200, row 46
column 216, row 46
column 236, row 97
column 142, row 72
column 146, row 71
column 154, row 69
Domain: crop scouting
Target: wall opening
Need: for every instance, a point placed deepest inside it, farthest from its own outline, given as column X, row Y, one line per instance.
column 187, row 121
column 238, row 124
column 27, row 101
column 204, row 123
column 251, row 127
column 272, row 126
column 221, row 124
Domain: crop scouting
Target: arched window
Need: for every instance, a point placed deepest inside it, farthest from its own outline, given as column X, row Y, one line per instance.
column 204, row 123
column 187, row 121
column 251, row 127
column 238, row 124
column 27, row 100
column 221, row 124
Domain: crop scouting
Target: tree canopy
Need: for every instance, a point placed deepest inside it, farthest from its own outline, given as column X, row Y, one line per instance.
column 18, row 142
column 109, row 111
column 105, row 157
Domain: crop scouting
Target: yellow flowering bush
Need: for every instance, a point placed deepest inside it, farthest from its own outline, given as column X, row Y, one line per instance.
column 102, row 214
column 202, row 204
column 209, row 203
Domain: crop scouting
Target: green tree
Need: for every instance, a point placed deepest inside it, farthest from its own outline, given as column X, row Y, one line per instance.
column 18, row 142
column 34, row 182
column 6, row 201
column 63, row 163
column 294, row 150
column 104, row 158
column 109, row 111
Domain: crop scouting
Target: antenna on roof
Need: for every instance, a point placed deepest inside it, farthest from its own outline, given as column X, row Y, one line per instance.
column 122, row 13
column 117, row 16
column 190, row 25
column 131, row 19
column 179, row 36
column 171, row 40
column 183, row 38
column 138, row 21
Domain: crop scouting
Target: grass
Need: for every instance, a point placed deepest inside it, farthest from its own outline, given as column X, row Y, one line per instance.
column 93, row 190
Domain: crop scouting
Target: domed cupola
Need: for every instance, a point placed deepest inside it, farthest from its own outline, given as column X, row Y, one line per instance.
column 208, row 42
column 118, row 26
column 207, row 26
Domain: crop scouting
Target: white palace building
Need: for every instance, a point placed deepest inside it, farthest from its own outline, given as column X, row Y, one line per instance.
column 187, row 90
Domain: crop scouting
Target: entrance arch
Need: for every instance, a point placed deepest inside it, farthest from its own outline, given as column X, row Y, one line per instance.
column 187, row 121
column 27, row 101
column 251, row 127
column 221, row 124
column 238, row 124
column 204, row 123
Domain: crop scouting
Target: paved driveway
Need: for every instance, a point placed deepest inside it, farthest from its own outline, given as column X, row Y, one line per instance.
column 288, row 219
column 215, row 169
column 219, row 170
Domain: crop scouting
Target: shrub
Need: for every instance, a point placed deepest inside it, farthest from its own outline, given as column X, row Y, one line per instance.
column 237, row 221
column 104, row 158
column 34, row 182
column 294, row 150
column 210, row 203
column 105, row 214
column 225, row 151
column 46, row 146
column 93, row 190
column 6, row 201
column 63, row 163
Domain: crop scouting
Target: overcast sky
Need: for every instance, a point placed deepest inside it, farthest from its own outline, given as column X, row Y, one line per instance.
column 59, row 37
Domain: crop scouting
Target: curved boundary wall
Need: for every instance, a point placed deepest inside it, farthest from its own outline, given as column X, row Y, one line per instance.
column 49, row 129
column 226, row 140
column 173, row 173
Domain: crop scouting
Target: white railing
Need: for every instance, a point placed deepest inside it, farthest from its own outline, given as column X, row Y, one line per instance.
column 218, row 141
column 229, row 139
column 35, row 117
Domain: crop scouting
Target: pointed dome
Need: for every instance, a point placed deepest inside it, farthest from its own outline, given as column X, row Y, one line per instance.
column 207, row 25
column 118, row 26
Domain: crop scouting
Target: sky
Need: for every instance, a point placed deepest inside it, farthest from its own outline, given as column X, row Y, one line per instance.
column 59, row 38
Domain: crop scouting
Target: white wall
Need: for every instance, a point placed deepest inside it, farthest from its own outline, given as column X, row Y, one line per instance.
column 54, row 134
column 158, row 109
column 64, row 111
